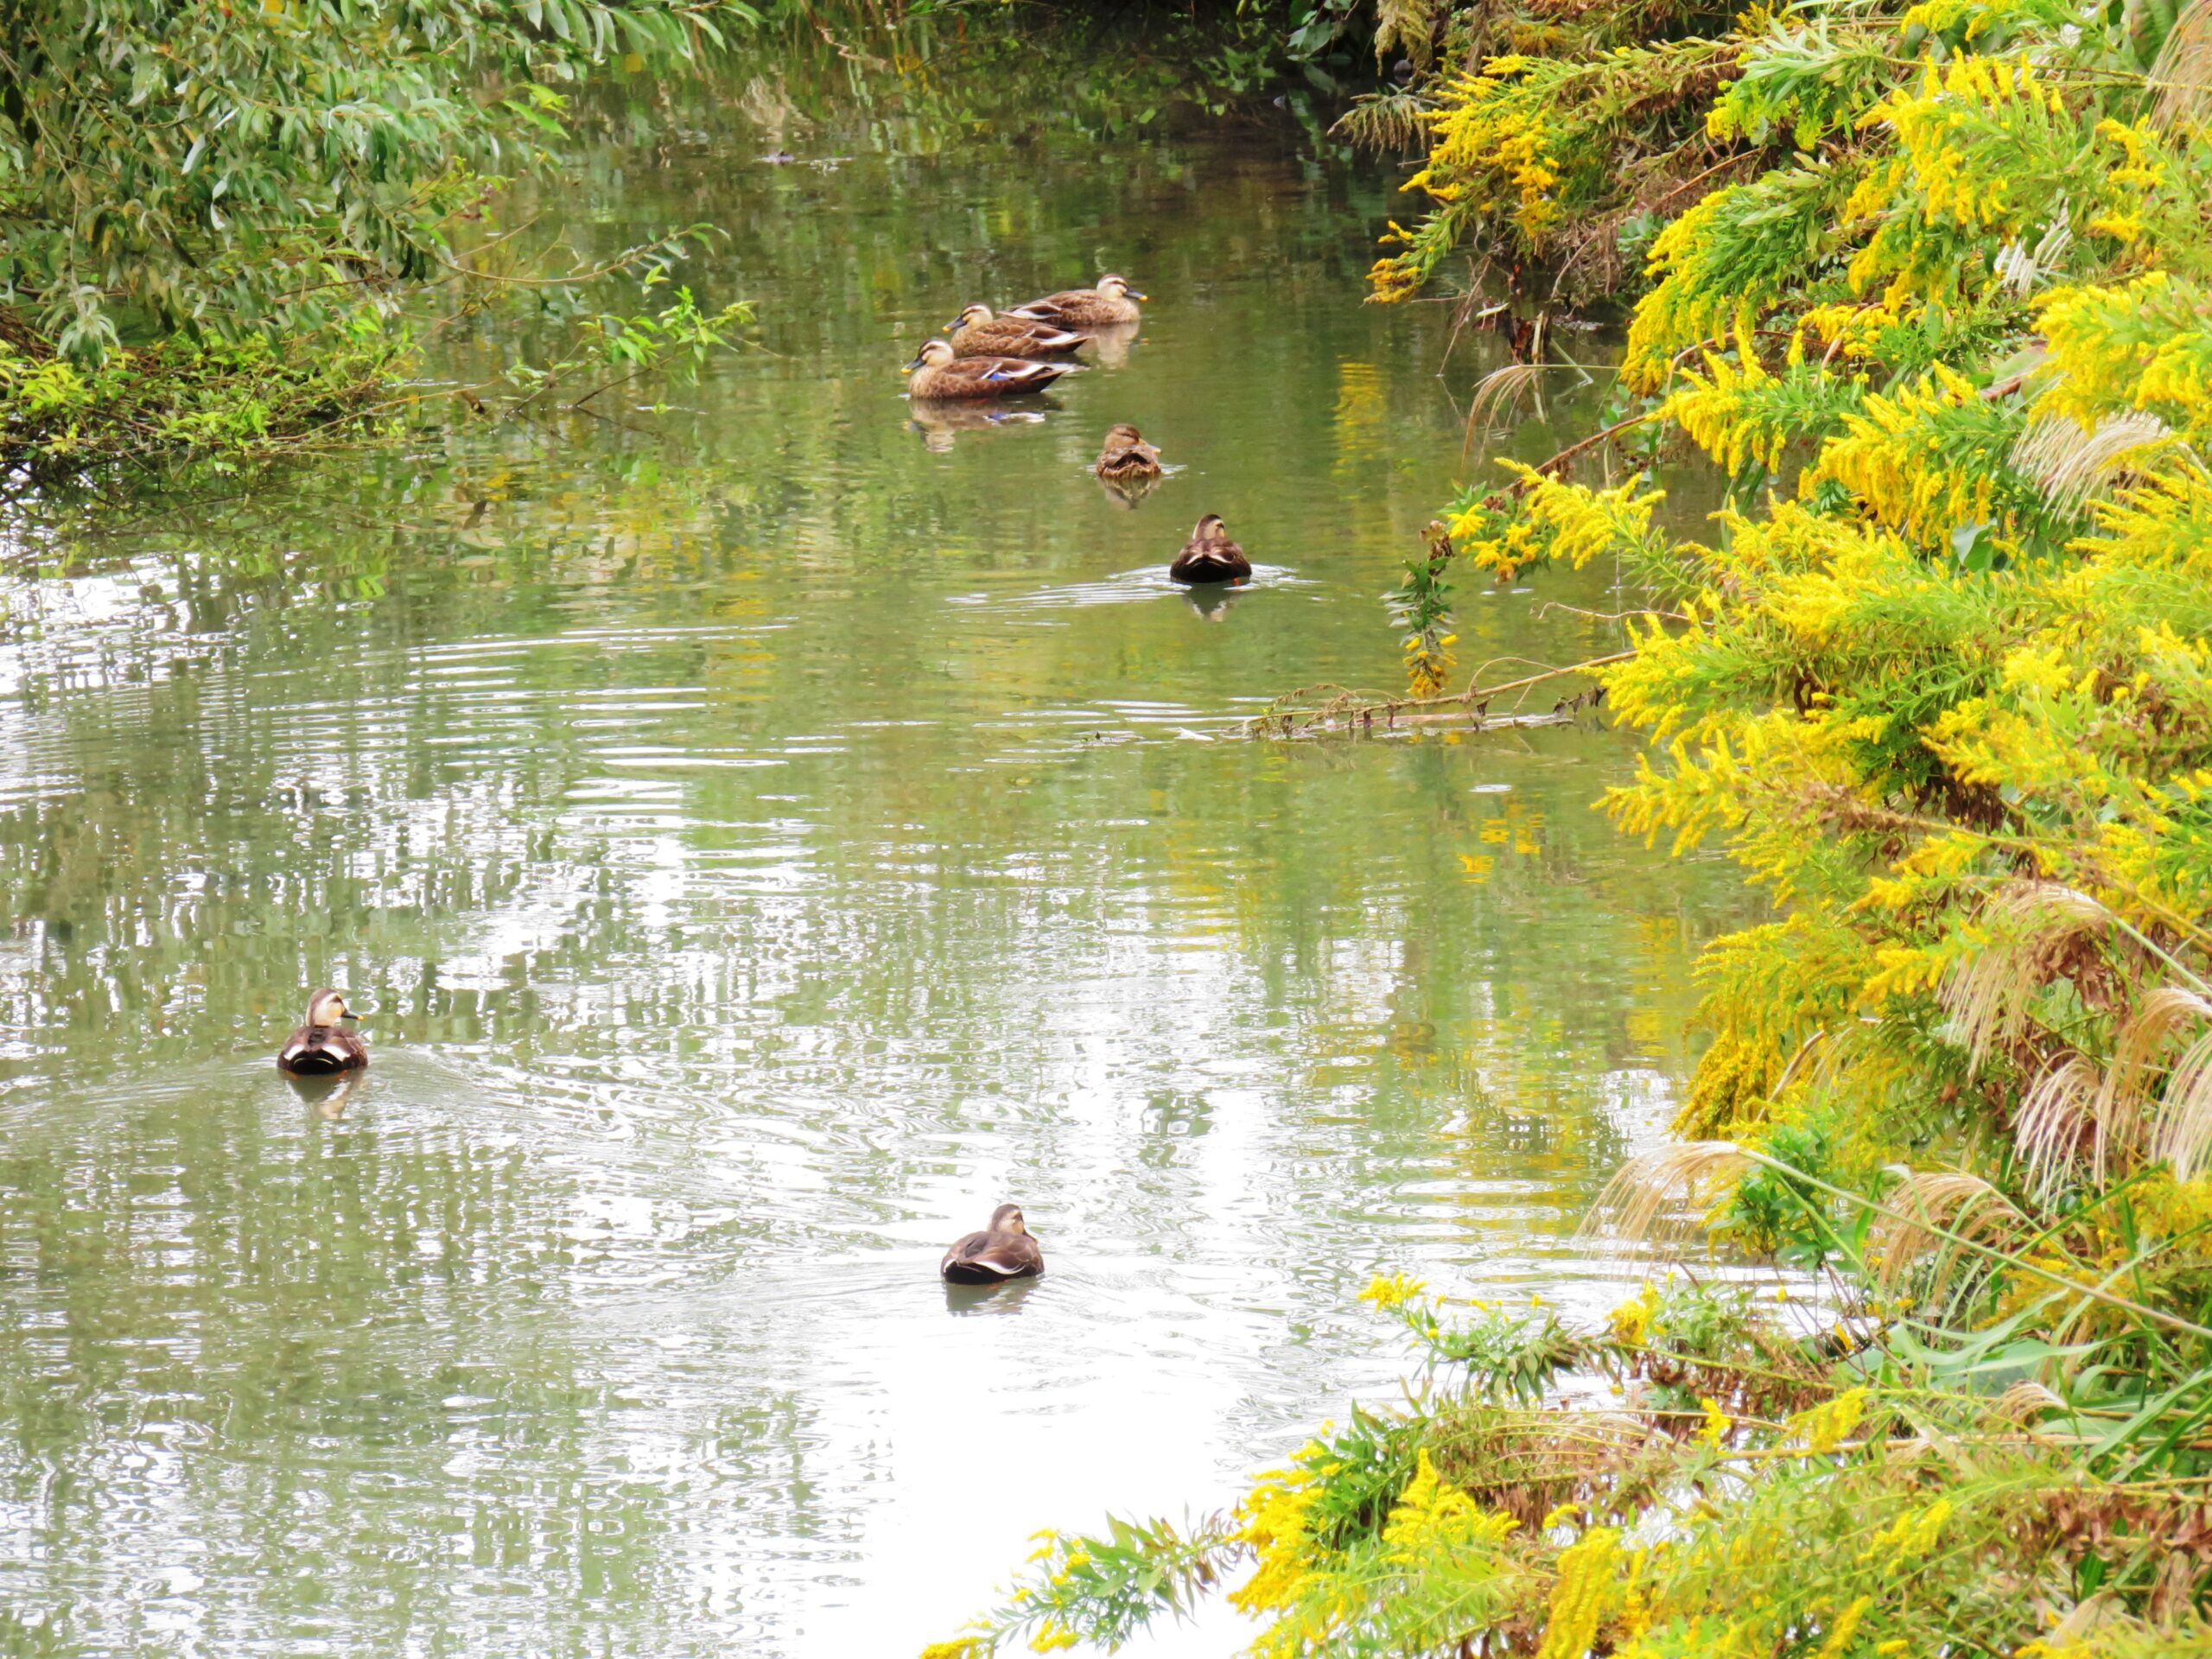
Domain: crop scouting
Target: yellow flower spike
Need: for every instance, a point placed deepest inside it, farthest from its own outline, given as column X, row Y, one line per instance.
column 1581, row 1596
column 1717, row 1423
column 1846, row 1626
column 1829, row 1424
column 1394, row 1291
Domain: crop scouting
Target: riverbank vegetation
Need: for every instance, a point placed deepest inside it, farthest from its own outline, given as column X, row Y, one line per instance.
column 1931, row 285
column 217, row 217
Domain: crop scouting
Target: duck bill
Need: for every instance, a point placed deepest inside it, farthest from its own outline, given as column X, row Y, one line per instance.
column 952, row 327
column 1135, row 295
column 908, row 368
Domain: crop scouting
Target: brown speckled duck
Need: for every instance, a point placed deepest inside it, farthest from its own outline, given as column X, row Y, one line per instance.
column 322, row 1047
column 940, row 372
column 1112, row 301
column 1005, row 1250
column 1126, row 456
column 1210, row 555
column 977, row 333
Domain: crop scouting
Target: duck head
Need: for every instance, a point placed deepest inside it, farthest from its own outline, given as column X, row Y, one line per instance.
column 327, row 1008
column 1211, row 529
column 968, row 314
column 1006, row 1218
column 1122, row 433
column 1117, row 288
column 933, row 355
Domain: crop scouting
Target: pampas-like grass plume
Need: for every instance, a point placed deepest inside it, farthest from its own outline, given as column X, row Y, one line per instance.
column 1928, row 1204
column 2025, row 1401
column 2182, row 76
column 2124, row 1101
column 1388, row 121
column 2183, row 1134
column 1498, row 394
column 2021, row 270
column 2028, row 924
column 1637, row 1196
column 2069, row 465
column 2058, row 1119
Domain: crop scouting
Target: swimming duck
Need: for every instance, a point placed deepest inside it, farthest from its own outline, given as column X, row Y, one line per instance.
column 1005, row 1249
column 1210, row 555
column 939, row 371
column 1112, row 301
column 977, row 333
column 320, row 1047
column 1127, row 455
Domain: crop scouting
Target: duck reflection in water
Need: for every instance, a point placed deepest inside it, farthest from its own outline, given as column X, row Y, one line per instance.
column 1110, row 343
column 1004, row 1298
column 938, row 423
column 1125, row 493
column 1211, row 603
column 328, row 1093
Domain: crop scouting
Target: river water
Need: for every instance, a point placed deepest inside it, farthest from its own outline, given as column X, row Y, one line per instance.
column 762, row 835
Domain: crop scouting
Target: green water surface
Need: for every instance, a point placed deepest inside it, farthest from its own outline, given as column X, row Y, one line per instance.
column 761, row 837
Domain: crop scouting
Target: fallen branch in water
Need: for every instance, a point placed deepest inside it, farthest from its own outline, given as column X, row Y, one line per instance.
column 1291, row 715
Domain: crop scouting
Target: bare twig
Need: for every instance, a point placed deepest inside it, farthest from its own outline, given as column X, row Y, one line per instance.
column 1354, row 710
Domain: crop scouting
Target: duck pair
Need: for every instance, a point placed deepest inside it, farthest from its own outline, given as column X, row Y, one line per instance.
column 986, row 355
column 1127, row 461
column 1005, row 1249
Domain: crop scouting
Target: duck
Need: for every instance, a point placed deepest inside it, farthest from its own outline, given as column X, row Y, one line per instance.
column 1126, row 456
column 1005, row 1249
column 939, row 371
column 1112, row 301
column 1210, row 555
column 320, row 1047
column 977, row 331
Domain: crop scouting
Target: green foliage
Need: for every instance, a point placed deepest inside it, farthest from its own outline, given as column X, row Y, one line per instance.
column 1559, row 137
column 1504, row 1353
column 1108, row 1588
column 168, row 169
column 182, row 396
column 679, row 338
column 215, row 215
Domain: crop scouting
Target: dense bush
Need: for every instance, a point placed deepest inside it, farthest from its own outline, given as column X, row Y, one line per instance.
column 214, row 211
